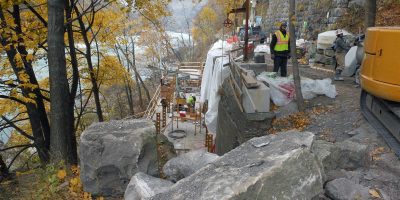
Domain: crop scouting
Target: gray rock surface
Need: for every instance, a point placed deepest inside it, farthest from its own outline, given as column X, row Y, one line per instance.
column 390, row 162
column 112, row 152
column 143, row 186
column 271, row 167
column 347, row 155
column 187, row 164
column 310, row 15
column 322, row 149
column 344, row 189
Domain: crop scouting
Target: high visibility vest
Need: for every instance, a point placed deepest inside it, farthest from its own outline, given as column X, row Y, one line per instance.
column 283, row 42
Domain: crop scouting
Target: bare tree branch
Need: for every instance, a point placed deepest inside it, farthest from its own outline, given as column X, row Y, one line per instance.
column 17, row 128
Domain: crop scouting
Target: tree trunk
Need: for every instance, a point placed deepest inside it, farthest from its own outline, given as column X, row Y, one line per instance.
column 127, row 81
column 128, row 92
column 88, row 56
column 296, row 73
column 3, row 168
column 72, row 51
column 370, row 13
column 62, row 126
column 34, row 116
column 136, row 76
column 139, row 92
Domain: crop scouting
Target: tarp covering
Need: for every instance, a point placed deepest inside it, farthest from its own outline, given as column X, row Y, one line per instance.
column 220, row 72
column 219, row 49
column 213, row 77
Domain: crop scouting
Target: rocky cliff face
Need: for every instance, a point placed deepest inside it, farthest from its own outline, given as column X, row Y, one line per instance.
column 313, row 17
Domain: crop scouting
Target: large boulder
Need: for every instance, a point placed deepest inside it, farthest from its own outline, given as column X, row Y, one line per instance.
column 143, row 186
column 187, row 164
column 323, row 149
column 344, row 189
column 112, row 152
column 271, row 167
column 348, row 154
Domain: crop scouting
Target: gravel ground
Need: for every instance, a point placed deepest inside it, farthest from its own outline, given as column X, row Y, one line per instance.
column 341, row 116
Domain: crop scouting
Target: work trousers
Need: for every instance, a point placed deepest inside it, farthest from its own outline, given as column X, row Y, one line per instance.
column 280, row 62
column 340, row 60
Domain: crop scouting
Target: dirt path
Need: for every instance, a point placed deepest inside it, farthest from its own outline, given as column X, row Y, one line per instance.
column 343, row 113
column 340, row 120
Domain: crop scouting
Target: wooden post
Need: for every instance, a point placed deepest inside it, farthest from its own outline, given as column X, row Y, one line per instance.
column 158, row 130
column 201, row 118
column 177, row 118
column 205, row 144
column 210, row 140
column 164, row 116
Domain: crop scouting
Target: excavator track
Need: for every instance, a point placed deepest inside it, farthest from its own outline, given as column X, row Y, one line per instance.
column 384, row 116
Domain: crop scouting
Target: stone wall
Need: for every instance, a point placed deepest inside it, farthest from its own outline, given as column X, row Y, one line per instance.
column 313, row 17
column 236, row 127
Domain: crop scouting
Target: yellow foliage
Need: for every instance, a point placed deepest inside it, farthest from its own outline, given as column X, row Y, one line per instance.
column 61, row 174
column 29, row 57
column 298, row 121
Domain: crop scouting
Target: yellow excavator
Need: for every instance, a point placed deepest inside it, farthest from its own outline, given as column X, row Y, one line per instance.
column 380, row 82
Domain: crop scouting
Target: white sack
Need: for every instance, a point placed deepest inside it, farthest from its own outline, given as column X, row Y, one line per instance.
column 283, row 89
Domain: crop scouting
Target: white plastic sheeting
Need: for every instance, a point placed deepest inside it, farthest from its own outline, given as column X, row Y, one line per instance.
column 283, row 92
column 326, row 39
column 350, row 62
column 213, row 76
column 220, row 48
column 262, row 48
column 220, row 72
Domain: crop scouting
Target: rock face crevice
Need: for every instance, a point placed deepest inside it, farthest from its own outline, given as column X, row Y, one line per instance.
column 112, row 152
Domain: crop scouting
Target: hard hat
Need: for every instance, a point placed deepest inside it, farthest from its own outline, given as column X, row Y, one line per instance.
column 283, row 23
column 339, row 31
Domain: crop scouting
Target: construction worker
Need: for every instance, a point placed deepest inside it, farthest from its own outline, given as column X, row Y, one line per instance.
column 191, row 101
column 280, row 49
column 341, row 49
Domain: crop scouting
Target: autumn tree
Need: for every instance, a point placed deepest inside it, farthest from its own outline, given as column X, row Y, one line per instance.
column 19, row 79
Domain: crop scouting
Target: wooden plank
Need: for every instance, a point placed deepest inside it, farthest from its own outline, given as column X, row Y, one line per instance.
column 190, row 63
column 234, row 95
column 249, row 81
column 190, row 67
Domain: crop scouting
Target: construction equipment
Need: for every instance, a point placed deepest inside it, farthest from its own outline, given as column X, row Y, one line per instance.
column 380, row 98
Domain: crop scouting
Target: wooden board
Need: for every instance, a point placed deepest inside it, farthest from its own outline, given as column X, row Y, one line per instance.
column 249, row 80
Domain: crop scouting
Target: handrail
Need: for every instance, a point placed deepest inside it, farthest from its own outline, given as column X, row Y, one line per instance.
column 153, row 103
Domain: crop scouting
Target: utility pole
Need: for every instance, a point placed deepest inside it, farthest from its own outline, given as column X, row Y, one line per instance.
column 246, row 32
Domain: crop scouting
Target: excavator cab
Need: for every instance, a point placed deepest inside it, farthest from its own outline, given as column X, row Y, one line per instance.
column 380, row 81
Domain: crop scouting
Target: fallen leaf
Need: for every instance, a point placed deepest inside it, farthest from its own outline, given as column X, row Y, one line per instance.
column 61, row 174
column 374, row 193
